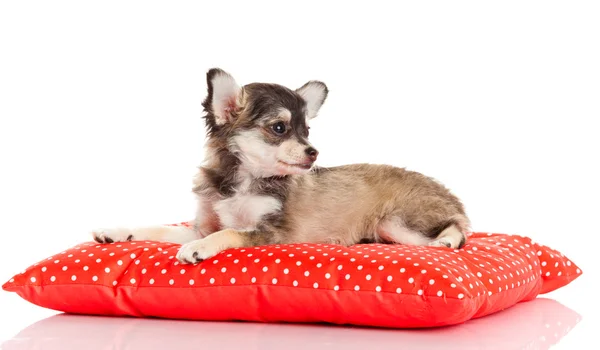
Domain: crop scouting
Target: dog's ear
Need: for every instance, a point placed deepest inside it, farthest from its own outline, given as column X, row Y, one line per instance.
column 223, row 94
column 314, row 93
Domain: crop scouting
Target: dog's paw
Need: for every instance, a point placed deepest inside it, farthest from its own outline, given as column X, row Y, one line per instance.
column 198, row 250
column 112, row 235
column 441, row 242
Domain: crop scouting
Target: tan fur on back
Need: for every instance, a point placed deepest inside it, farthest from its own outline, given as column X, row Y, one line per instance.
column 347, row 203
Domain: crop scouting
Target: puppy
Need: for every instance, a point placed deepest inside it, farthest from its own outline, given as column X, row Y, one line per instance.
column 259, row 184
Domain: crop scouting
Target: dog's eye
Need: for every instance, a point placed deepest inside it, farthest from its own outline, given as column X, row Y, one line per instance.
column 279, row 128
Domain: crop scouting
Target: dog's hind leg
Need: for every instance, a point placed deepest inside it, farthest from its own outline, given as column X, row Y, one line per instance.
column 393, row 230
column 450, row 237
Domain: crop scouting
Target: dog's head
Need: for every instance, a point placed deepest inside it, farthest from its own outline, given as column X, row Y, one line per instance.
column 264, row 125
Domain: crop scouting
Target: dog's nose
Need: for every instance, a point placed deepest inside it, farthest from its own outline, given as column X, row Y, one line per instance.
column 311, row 153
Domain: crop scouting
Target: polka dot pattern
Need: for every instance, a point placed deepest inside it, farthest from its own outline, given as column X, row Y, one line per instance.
column 492, row 272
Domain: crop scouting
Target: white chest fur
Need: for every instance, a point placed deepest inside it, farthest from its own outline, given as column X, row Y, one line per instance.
column 244, row 211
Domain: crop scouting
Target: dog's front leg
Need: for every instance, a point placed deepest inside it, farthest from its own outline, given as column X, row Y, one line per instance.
column 202, row 249
column 162, row 233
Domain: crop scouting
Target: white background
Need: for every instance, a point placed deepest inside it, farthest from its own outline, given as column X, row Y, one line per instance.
column 101, row 117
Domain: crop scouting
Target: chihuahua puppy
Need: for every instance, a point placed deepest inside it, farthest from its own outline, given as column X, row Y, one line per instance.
column 259, row 184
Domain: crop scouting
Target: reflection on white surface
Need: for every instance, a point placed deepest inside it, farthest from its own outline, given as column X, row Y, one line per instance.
column 532, row 325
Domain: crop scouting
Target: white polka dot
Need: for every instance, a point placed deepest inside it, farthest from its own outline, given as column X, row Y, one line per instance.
column 107, row 270
column 460, row 296
column 256, row 261
column 244, row 269
column 286, row 271
column 77, row 261
column 431, row 281
column 315, row 285
column 420, row 292
column 85, row 268
column 306, row 273
column 171, row 281
column 64, row 268
column 44, row 269
column 490, row 292
column 440, row 293
column 348, row 276
column 203, row 271
column 94, row 278
column 357, row 288
column 163, row 271
column 265, row 269
column 253, row 279
column 11, row 280
column 578, row 271
column 359, row 267
column 336, row 288
column 368, row 277
column 98, row 260
column 398, row 290
column 479, row 274
column 319, row 265
column 544, row 263
column 568, row 263
column 236, row 261
column 132, row 281
column 114, row 283
column 389, row 278
column 295, row 283
column 52, row 278
column 32, row 279
column 327, row 275
column 548, row 273
column 119, row 262
column 132, row 256
column 453, row 285
column 151, row 281
column 380, row 268
column 411, row 280
column 73, row 278
column 274, row 281
column 157, row 263
column 402, row 270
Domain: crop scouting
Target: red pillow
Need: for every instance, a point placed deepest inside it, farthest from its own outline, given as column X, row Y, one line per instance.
column 538, row 324
column 369, row 284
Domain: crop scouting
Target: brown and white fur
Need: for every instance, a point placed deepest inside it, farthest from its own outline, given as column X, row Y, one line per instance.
column 259, row 184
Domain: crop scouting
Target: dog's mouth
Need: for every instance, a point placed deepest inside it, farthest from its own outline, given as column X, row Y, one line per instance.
column 304, row 166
